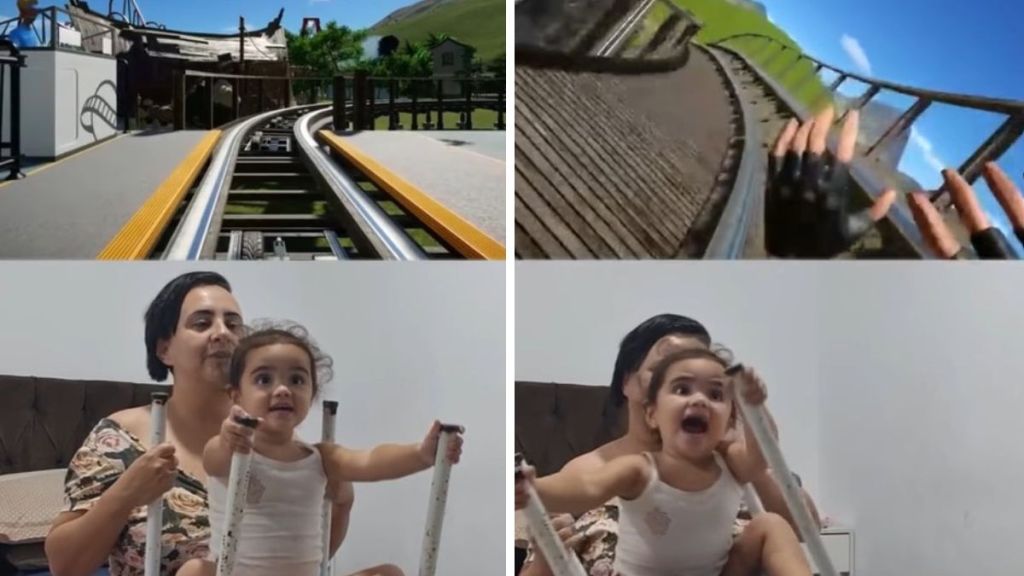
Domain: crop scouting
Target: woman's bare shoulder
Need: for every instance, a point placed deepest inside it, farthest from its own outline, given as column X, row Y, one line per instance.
column 134, row 420
column 594, row 459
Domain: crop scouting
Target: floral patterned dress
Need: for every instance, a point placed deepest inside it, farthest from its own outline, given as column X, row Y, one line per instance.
column 600, row 529
column 104, row 456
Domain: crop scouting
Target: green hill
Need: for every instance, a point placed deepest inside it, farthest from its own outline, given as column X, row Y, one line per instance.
column 479, row 23
column 724, row 18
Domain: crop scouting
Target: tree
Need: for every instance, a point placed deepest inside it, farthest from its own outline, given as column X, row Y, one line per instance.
column 334, row 50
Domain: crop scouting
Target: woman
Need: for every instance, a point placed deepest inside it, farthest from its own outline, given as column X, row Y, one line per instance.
column 594, row 535
column 192, row 327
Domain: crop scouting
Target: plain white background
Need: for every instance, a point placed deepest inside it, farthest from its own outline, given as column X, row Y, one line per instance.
column 410, row 343
column 896, row 386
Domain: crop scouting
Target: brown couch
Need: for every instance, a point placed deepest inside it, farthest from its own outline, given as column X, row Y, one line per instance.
column 557, row 422
column 43, row 421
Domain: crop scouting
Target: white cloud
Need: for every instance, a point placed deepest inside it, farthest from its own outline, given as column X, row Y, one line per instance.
column 927, row 150
column 856, row 53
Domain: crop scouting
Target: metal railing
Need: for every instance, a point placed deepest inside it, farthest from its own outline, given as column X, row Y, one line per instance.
column 51, row 34
column 371, row 97
column 768, row 50
column 10, row 148
column 199, row 93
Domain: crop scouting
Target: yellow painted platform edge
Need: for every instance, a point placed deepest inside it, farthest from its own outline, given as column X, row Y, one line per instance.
column 466, row 238
column 139, row 234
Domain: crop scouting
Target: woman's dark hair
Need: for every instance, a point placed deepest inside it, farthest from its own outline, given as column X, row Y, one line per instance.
column 632, row 351
column 162, row 314
column 660, row 371
column 269, row 332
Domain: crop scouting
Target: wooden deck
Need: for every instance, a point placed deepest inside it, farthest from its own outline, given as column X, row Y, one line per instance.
column 615, row 165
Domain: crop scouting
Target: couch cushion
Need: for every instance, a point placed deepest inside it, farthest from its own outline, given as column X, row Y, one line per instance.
column 31, row 501
column 43, row 421
column 557, row 422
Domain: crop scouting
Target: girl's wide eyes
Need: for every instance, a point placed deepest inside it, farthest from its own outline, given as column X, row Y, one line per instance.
column 682, row 388
column 298, row 380
column 263, row 379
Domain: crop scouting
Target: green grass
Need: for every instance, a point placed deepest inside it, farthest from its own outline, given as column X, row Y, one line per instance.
column 482, row 120
column 479, row 23
column 317, row 207
column 722, row 19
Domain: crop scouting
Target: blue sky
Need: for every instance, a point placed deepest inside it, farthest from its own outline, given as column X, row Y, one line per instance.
column 974, row 47
column 219, row 15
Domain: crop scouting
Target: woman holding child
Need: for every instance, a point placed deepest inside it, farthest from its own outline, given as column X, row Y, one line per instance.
column 192, row 329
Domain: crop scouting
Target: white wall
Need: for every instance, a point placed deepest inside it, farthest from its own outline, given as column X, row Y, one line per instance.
column 68, row 100
column 38, row 121
column 86, row 103
column 570, row 318
column 920, row 415
column 410, row 343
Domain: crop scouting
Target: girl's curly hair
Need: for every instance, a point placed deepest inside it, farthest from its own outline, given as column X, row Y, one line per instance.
column 264, row 332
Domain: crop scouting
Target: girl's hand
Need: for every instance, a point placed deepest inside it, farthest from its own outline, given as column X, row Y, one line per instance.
column 428, row 448
column 238, row 436
column 749, row 385
column 528, row 474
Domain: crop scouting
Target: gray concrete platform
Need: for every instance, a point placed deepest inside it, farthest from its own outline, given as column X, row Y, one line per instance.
column 70, row 209
column 462, row 169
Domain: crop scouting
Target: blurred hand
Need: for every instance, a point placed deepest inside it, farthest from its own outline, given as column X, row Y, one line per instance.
column 749, row 386
column 428, row 448
column 529, row 474
column 573, row 541
column 148, row 477
column 237, row 435
column 807, row 200
column 988, row 241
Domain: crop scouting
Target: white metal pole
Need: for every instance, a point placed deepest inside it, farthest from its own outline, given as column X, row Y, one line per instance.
column 561, row 561
column 438, row 501
column 238, row 487
column 757, row 419
column 326, row 567
column 155, row 509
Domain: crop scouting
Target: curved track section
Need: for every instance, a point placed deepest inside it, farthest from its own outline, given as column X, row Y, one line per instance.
column 611, row 159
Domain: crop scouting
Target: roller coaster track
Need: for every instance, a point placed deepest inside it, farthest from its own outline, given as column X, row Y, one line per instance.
column 275, row 187
column 626, row 184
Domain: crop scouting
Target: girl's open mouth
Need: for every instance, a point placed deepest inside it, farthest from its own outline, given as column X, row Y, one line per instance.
column 695, row 424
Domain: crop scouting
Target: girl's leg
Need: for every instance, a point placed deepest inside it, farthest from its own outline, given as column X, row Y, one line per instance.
column 382, row 570
column 197, row 567
column 767, row 543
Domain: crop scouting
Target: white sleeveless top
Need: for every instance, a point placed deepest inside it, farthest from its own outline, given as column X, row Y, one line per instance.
column 280, row 530
column 670, row 532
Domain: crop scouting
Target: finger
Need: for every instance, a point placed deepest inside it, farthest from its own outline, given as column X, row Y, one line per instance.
column 785, row 138
column 938, row 236
column 1006, row 192
column 882, row 205
column 163, row 450
column 799, row 144
column 848, row 137
column 565, row 532
column 575, row 543
column 561, row 521
column 965, row 201
column 819, row 133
